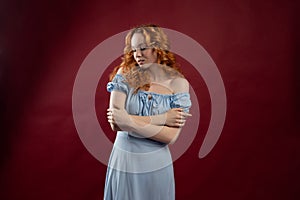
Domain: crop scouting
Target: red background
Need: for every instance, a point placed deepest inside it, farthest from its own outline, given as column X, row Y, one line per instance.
column 254, row 44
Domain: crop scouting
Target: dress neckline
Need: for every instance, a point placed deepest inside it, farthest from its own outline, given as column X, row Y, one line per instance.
column 160, row 94
column 163, row 85
column 155, row 93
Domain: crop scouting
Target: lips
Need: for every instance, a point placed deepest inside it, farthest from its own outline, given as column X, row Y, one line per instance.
column 140, row 62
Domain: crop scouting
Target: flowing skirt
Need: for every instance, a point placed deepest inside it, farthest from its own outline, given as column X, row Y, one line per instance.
column 139, row 169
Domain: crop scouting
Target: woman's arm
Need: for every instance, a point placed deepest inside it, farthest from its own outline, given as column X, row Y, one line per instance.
column 174, row 118
column 117, row 101
column 140, row 124
column 144, row 125
column 114, row 104
column 127, row 123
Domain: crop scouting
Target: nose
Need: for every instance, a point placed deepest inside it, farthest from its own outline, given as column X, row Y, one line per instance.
column 138, row 53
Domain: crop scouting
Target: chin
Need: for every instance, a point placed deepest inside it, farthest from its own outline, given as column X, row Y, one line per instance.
column 145, row 65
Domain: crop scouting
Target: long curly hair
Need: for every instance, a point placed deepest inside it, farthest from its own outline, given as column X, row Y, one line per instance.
column 157, row 39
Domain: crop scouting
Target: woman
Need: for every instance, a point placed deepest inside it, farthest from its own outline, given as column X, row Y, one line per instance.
column 149, row 104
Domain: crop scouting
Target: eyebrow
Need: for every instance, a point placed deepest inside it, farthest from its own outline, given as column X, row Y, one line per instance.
column 139, row 45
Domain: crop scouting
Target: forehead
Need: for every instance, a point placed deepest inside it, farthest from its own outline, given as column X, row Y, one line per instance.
column 137, row 40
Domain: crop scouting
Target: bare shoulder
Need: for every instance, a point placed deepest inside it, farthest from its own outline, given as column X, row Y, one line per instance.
column 120, row 71
column 179, row 85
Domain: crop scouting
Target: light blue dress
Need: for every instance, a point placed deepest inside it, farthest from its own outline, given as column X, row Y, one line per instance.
column 140, row 168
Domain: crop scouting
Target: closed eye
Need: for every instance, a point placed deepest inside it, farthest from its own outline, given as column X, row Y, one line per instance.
column 141, row 48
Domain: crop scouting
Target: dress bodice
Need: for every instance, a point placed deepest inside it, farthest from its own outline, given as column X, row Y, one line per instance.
column 146, row 103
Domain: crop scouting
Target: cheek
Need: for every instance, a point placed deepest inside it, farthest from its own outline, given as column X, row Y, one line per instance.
column 154, row 55
column 150, row 55
column 134, row 56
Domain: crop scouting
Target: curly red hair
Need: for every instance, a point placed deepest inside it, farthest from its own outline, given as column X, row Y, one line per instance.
column 157, row 39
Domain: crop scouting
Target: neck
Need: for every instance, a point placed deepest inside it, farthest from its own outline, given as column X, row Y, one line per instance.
column 156, row 73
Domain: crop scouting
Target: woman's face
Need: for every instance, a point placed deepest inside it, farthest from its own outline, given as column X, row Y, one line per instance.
column 143, row 54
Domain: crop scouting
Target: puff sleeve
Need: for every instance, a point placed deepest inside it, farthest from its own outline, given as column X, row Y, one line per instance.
column 118, row 83
column 181, row 100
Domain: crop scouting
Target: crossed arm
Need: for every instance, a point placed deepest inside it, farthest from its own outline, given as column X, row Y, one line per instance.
column 164, row 127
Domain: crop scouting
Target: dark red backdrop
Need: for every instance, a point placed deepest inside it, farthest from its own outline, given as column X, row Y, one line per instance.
column 254, row 44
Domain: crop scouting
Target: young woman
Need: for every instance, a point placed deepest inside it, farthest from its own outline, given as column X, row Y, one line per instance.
column 149, row 104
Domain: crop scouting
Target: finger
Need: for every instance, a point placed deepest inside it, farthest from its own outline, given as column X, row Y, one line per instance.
column 109, row 113
column 186, row 114
column 178, row 109
column 180, row 121
column 179, row 125
column 110, row 118
column 182, row 116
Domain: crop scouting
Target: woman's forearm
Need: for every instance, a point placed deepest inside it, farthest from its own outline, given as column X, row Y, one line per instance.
column 146, row 126
column 159, row 120
column 114, row 127
column 163, row 134
column 174, row 117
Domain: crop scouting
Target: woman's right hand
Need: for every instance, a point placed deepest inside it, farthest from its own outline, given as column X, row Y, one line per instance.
column 119, row 117
column 176, row 117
